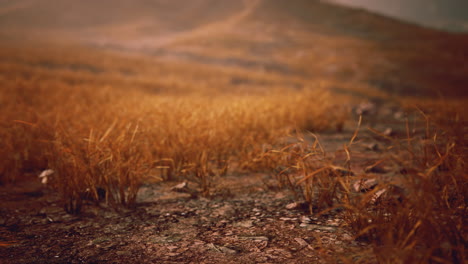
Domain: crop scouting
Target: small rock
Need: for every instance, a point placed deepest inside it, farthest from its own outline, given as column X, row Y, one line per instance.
column 245, row 224
column 393, row 193
column 398, row 115
column 45, row 175
column 333, row 222
column 181, row 187
column 377, row 195
column 364, row 185
column 172, row 248
column 280, row 195
column 227, row 250
column 301, row 242
column 318, row 228
column 388, row 132
column 305, row 219
column 292, row 206
column 372, row 146
column 276, row 253
column 287, row 219
column 255, row 238
column 221, row 249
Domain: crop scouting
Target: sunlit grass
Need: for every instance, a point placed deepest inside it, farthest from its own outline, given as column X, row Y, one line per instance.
column 115, row 122
column 96, row 135
column 417, row 215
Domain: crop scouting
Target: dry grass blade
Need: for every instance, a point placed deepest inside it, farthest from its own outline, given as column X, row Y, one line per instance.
column 108, row 131
column 310, row 175
column 356, row 131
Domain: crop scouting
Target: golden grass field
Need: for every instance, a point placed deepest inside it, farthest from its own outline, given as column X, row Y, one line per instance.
column 105, row 119
column 119, row 131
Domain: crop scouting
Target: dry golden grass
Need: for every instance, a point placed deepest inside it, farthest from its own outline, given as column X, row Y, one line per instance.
column 417, row 216
column 64, row 113
column 114, row 122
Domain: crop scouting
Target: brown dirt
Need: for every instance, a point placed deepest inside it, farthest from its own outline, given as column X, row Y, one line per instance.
column 249, row 227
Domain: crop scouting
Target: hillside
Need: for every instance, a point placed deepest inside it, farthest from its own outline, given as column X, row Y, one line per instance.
column 449, row 15
column 69, row 15
column 308, row 39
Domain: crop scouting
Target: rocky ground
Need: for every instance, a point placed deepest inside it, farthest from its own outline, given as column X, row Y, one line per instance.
column 249, row 219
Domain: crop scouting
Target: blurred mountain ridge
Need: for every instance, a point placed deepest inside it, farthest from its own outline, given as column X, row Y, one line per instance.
column 304, row 39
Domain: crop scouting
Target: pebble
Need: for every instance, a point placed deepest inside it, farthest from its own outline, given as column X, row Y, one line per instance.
column 227, row 250
column 172, row 248
column 399, row 115
column 347, row 237
column 287, row 219
column 364, row 185
column 181, row 187
column 372, row 146
column 388, row 132
column 292, row 206
column 377, row 195
column 333, row 222
column 255, row 238
column 245, row 224
column 305, row 219
column 301, row 242
column 318, row 228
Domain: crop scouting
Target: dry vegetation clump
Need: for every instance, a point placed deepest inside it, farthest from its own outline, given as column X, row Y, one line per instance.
column 100, row 139
column 415, row 216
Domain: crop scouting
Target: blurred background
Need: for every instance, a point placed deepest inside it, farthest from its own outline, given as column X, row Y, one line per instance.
column 288, row 44
column 449, row 15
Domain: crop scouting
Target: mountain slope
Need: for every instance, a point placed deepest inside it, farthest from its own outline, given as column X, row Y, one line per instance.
column 311, row 41
column 87, row 14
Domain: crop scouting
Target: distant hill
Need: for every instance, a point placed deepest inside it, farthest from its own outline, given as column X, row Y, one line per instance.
column 156, row 15
column 305, row 39
column 162, row 16
column 449, row 15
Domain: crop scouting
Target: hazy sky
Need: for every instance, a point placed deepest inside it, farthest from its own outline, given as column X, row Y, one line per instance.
column 446, row 14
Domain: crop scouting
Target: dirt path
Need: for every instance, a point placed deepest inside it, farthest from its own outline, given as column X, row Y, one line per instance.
column 142, row 43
